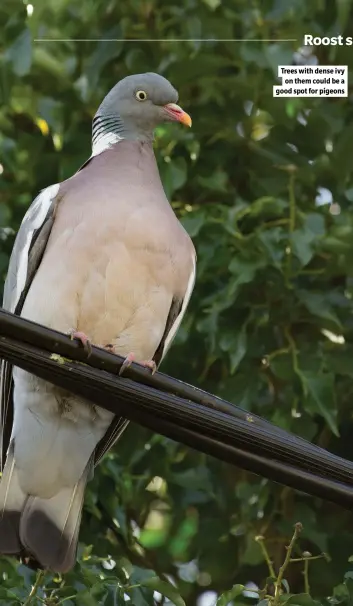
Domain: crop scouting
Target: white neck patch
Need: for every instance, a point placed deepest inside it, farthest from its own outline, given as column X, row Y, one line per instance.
column 103, row 142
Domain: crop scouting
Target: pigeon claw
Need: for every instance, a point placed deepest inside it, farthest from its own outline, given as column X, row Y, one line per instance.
column 150, row 364
column 84, row 340
column 130, row 358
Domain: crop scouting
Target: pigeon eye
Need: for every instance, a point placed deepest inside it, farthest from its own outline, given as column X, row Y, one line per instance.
column 141, row 95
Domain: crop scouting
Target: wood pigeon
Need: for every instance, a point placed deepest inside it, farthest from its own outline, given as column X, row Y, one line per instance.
column 103, row 257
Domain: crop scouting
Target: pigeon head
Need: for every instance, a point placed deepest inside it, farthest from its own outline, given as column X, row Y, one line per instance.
column 137, row 104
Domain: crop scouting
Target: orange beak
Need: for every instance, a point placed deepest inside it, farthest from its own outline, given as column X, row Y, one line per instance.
column 178, row 114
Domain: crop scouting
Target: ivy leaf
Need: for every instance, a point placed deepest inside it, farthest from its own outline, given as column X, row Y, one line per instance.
column 236, row 345
column 321, row 397
column 166, row 589
column 301, row 599
column 173, row 174
column 193, row 223
column 226, row 597
column 20, row 53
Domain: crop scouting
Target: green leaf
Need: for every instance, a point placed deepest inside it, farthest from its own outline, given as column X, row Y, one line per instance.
column 316, row 224
column 341, row 593
column 105, row 51
column 166, row 589
column 236, row 345
column 140, row 574
column 217, row 181
column 196, row 478
column 50, row 65
column 302, row 243
column 340, row 361
column 320, row 307
column 84, row 598
column 239, row 351
column 226, row 597
column 321, row 397
column 20, row 53
column 253, row 53
column 193, row 223
column 252, row 553
column 244, row 270
column 277, row 54
column 343, row 8
column 273, row 240
column 141, row 596
column 349, row 194
column 174, row 175
column 212, row 4
column 266, row 206
column 301, row 599
column 281, row 10
column 304, row 240
column 151, row 538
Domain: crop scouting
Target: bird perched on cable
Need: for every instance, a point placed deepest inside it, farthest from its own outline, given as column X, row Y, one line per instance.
column 103, row 257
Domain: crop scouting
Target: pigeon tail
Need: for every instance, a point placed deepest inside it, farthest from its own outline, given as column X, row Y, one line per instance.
column 49, row 528
column 12, row 501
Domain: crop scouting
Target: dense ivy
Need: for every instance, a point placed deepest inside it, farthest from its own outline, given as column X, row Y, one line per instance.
column 265, row 188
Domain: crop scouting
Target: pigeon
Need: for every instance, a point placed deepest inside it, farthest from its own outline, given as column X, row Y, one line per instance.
column 102, row 257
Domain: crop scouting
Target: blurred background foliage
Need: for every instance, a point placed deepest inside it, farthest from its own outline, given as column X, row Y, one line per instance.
column 265, row 188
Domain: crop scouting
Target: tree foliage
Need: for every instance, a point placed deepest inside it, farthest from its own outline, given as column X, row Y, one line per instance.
column 265, row 188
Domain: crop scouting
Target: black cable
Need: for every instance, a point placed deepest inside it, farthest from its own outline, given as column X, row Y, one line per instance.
column 29, row 332
column 32, row 333
column 275, row 454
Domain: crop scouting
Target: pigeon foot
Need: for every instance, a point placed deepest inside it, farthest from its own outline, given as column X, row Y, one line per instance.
column 149, row 364
column 84, row 340
column 130, row 358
